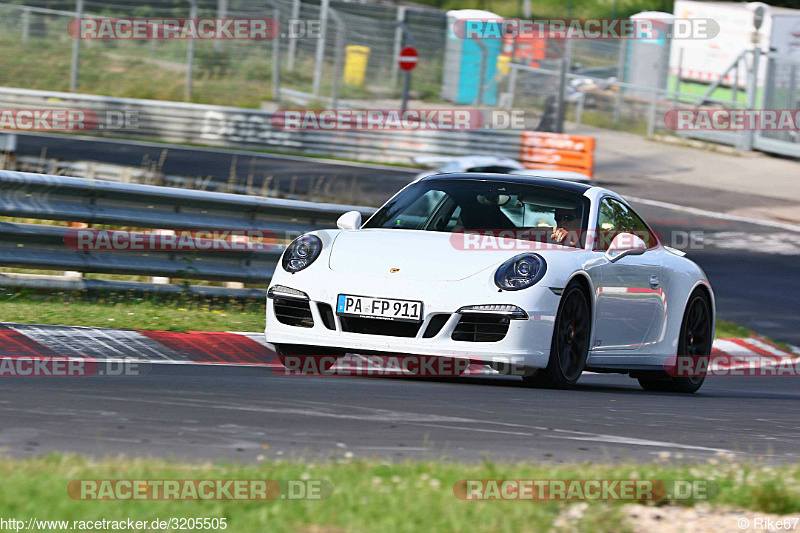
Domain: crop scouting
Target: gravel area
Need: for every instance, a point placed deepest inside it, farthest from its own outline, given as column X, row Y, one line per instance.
column 705, row 519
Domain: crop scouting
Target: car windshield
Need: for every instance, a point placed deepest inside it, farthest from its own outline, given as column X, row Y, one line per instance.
column 484, row 205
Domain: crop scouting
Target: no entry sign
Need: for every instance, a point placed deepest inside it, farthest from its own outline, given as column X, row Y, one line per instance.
column 408, row 58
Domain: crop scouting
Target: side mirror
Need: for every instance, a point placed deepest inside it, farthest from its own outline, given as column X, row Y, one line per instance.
column 623, row 245
column 349, row 221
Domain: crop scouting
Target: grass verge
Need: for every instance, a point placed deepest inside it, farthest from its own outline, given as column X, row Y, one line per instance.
column 373, row 495
column 178, row 313
column 726, row 329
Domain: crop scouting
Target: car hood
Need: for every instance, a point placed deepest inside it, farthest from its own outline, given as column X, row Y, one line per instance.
column 418, row 255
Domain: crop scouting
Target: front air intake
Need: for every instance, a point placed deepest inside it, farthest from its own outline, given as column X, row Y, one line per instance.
column 293, row 312
column 481, row 327
column 435, row 325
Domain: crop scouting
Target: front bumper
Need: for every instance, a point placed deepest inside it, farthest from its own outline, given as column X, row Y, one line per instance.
column 526, row 341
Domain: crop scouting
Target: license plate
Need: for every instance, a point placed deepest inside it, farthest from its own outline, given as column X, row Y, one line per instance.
column 383, row 308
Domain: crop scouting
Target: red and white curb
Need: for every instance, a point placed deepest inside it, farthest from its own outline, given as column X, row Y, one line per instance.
column 221, row 347
column 105, row 344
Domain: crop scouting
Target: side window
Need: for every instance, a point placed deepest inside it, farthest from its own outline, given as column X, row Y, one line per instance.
column 454, row 221
column 615, row 218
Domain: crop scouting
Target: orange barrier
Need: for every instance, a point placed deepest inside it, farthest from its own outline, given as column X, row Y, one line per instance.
column 557, row 151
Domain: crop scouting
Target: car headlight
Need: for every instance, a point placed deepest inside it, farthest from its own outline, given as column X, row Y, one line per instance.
column 520, row 272
column 301, row 253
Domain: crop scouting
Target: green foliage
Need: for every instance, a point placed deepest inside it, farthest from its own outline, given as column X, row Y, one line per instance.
column 378, row 495
column 181, row 312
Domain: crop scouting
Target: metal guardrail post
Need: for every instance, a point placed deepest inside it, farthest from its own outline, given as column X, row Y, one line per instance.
column 677, row 87
column 76, row 51
column 222, row 12
column 579, row 108
column 752, row 89
column 319, row 59
column 623, row 61
column 512, row 85
column 768, row 99
column 338, row 61
column 651, row 116
column 276, row 55
column 187, row 91
column 292, row 41
column 562, row 87
column 398, row 43
column 407, row 73
column 26, row 25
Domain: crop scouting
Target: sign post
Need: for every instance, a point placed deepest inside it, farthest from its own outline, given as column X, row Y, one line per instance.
column 407, row 60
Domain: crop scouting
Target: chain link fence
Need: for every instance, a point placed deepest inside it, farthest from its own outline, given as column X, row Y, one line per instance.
column 314, row 51
column 338, row 53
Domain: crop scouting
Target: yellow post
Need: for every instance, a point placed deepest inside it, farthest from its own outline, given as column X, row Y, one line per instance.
column 355, row 64
column 503, row 64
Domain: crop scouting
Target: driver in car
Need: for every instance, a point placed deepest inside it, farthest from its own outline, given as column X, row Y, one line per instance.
column 568, row 225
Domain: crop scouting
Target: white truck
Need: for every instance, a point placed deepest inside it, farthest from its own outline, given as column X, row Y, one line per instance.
column 704, row 60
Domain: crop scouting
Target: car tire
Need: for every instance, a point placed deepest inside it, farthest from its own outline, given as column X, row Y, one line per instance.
column 696, row 338
column 570, row 345
column 324, row 358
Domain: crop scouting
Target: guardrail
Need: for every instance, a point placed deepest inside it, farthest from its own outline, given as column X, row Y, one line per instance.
column 247, row 128
column 250, row 128
column 59, row 198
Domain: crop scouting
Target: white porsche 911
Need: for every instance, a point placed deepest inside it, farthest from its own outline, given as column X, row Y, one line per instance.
column 563, row 276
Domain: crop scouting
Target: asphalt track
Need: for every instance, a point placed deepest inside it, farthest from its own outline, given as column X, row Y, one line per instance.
column 241, row 413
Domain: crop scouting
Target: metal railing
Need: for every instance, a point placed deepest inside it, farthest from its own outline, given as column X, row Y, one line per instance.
column 248, row 128
column 59, row 198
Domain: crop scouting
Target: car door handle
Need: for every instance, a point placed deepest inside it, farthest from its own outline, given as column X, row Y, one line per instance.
column 654, row 281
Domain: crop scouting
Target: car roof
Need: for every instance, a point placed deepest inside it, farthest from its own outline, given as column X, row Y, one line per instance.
column 559, row 174
column 553, row 183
